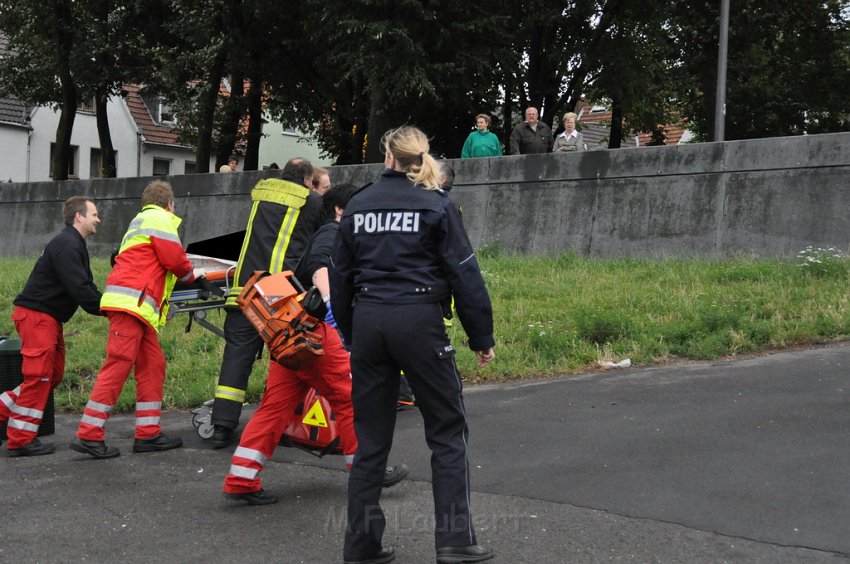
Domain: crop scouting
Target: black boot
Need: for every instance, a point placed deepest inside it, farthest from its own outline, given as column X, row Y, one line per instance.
column 97, row 449
column 34, row 448
column 222, row 437
column 157, row 443
column 394, row 475
column 259, row 497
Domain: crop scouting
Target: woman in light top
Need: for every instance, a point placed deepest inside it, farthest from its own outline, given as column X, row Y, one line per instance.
column 571, row 139
column 481, row 142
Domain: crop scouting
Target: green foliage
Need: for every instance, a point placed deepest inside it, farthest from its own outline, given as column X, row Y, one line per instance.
column 787, row 66
column 347, row 70
column 552, row 316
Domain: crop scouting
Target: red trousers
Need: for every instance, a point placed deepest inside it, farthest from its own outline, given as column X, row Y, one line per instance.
column 330, row 375
column 43, row 366
column 131, row 343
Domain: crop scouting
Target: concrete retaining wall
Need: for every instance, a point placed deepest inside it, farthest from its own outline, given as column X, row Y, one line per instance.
column 766, row 197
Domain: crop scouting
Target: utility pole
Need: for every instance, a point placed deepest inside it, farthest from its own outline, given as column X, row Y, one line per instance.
column 720, row 98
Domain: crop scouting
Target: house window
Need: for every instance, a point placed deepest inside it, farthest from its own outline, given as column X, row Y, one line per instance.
column 291, row 132
column 166, row 114
column 96, row 164
column 189, row 167
column 160, row 110
column 72, row 162
column 87, row 105
column 161, row 167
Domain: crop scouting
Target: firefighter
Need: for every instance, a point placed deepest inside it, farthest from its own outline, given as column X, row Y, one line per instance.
column 400, row 256
column 60, row 281
column 284, row 215
column 150, row 260
column 329, row 374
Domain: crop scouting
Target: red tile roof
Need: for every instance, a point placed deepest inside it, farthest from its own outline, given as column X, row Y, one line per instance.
column 152, row 131
column 672, row 133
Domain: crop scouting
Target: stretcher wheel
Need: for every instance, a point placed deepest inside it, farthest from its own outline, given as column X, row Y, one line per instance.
column 197, row 420
column 205, row 430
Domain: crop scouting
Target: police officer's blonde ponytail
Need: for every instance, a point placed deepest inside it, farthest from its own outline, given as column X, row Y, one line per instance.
column 409, row 147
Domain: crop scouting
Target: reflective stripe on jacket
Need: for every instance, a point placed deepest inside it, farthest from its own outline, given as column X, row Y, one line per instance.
column 283, row 217
column 149, row 263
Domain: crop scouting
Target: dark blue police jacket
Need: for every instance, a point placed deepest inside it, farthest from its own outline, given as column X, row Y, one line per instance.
column 399, row 243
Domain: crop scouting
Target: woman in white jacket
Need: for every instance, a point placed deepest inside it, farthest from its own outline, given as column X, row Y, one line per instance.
column 571, row 139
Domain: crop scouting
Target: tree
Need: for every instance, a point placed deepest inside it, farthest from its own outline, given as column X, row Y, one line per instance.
column 383, row 64
column 117, row 41
column 191, row 54
column 788, row 66
column 37, row 66
column 66, row 51
column 635, row 56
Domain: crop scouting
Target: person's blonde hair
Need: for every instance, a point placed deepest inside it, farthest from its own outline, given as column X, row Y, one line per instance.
column 486, row 118
column 409, row 147
column 570, row 115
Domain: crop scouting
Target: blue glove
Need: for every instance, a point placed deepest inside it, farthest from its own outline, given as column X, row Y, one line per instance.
column 329, row 316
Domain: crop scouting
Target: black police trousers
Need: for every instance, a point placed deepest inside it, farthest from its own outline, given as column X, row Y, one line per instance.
column 242, row 346
column 412, row 338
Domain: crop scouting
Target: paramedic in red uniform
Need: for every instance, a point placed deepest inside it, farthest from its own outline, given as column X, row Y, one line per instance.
column 60, row 281
column 400, row 256
column 329, row 374
column 150, row 260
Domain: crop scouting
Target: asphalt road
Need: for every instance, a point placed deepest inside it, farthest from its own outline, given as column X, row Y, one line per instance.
column 742, row 461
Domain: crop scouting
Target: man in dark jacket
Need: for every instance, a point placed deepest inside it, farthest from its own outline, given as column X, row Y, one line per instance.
column 60, row 282
column 284, row 216
column 531, row 136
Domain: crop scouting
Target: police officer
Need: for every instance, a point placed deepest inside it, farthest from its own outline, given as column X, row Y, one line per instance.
column 400, row 255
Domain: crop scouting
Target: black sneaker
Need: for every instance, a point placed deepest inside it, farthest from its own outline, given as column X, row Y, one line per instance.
column 97, row 449
column 222, row 437
column 259, row 497
column 394, row 475
column 34, row 448
column 157, row 443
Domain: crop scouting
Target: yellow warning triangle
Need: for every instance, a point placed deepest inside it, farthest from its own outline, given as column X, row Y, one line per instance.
column 316, row 416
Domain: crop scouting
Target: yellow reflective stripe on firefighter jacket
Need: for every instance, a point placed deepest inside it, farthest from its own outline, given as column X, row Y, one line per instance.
column 149, row 263
column 283, row 218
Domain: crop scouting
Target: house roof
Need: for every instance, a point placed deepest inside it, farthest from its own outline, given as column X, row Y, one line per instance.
column 14, row 112
column 596, row 125
column 152, row 131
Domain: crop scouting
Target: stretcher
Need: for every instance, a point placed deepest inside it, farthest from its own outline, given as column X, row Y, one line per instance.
column 314, row 430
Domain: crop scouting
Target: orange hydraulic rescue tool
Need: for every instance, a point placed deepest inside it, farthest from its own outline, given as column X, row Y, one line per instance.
column 274, row 307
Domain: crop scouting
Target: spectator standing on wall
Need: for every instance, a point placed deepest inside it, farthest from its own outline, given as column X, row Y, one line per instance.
column 531, row 136
column 571, row 139
column 481, row 142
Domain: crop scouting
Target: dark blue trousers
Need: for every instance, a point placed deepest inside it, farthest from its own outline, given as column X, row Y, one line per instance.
column 412, row 338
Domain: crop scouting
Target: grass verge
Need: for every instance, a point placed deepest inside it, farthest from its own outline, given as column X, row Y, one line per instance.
column 552, row 316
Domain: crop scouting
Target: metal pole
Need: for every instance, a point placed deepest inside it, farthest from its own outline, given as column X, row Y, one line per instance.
column 720, row 99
